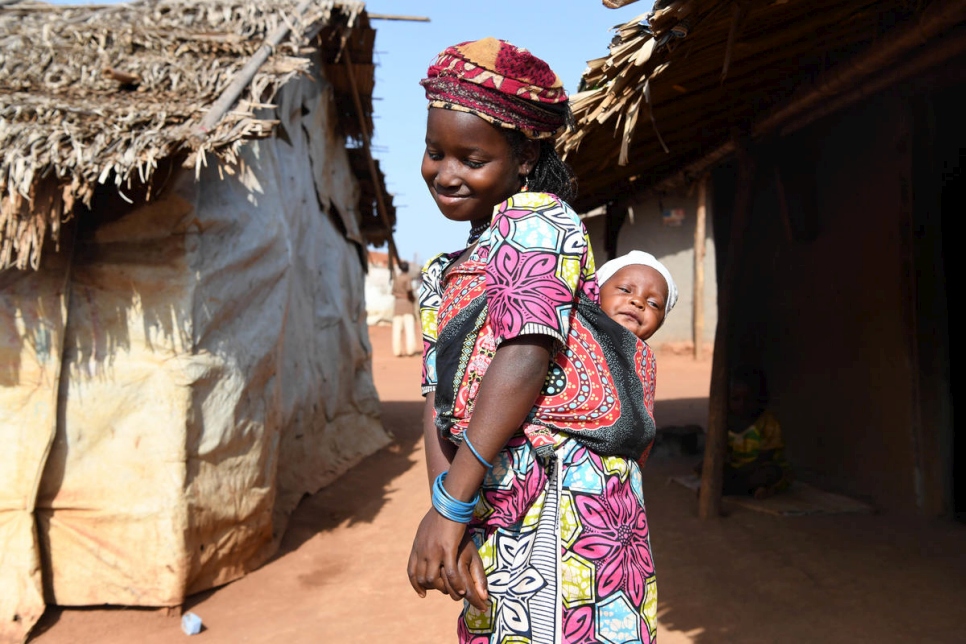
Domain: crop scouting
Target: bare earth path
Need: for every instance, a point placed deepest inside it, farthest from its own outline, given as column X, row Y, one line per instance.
column 749, row 578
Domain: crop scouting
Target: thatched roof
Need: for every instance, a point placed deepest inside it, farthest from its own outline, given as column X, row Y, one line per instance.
column 680, row 79
column 102, row 94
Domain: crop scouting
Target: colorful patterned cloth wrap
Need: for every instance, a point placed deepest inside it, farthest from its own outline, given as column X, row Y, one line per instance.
column 502, row 84
column 561, row 524
column 764, row 435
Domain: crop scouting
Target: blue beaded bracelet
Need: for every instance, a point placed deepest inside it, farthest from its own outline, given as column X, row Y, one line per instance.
column 483, row 461
column 450, row 507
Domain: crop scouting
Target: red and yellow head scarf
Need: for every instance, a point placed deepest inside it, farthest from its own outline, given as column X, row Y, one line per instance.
column 502, row 84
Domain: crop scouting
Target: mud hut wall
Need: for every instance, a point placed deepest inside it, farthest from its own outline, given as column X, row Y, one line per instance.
column 826, row 315
column 333, row 420
column 218, row 369
column 672, row 242
column 33, row 315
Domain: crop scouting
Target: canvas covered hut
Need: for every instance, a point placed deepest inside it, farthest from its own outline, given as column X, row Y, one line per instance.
column 828, row 136
column 187, row 196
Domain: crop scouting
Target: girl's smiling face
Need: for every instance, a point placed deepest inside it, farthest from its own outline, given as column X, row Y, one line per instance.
column 635, row 297
column 469, row 165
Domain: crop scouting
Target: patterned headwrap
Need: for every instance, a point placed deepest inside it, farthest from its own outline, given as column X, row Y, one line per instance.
column 502, row 84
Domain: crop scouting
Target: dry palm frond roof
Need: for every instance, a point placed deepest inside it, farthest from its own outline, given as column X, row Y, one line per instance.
column 682, row 77
column 96, row 94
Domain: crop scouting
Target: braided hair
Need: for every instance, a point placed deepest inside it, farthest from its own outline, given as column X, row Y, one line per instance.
column 550, row 173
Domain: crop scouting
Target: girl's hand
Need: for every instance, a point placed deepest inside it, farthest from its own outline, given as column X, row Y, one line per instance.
column 444, row 558
column 472, row 566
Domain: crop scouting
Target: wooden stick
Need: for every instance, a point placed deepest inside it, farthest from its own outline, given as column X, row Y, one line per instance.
column 231, row 93
column 386, row 16
column 729, row 47
column 716, row 439
column 697, row 303
column 380, row 202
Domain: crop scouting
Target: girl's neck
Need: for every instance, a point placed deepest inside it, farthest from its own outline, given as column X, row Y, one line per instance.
column 476, row 232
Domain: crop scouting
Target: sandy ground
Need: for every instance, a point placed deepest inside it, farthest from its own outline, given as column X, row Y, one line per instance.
column 748, row 578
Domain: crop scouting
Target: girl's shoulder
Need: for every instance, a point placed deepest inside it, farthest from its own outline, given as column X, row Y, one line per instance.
column 535, row 201
column 438, row 264
column 544, row 206
column 432, row 272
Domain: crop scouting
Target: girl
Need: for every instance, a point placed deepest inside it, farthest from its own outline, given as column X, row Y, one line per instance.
column 534, row 400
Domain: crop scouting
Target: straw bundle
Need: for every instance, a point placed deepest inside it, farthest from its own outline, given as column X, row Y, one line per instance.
column 98, row 94
column 679, row 79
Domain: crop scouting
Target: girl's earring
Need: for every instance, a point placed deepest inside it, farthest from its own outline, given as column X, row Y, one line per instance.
column 526, row 183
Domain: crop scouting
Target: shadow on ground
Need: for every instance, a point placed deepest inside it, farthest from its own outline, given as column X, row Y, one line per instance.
column 750, row 577
column 366, row 483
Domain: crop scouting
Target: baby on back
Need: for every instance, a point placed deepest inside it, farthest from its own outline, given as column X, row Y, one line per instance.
column 637, row 291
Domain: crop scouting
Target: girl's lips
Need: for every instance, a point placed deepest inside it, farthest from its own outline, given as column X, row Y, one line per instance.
column 448, row 200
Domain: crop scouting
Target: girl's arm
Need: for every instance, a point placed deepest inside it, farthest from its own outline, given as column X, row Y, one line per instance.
column 507, row 393
column 439, row 451
column 509, row 389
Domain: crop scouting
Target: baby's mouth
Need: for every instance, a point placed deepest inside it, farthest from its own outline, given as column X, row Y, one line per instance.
column 631, row 316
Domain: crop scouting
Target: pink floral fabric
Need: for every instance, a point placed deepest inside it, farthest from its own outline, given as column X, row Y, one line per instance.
column 606, row 589
column 564, row 538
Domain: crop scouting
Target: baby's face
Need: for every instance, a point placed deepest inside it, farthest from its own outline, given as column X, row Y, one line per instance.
column 635, row 297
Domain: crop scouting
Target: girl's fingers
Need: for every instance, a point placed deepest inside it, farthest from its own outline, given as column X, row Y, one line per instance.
column 477, row 578
column 454, row 582
column 476, row 593
column 411, row 570
column 429, row 577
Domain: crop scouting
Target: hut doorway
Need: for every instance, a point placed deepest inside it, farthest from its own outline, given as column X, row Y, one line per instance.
column 950, row 120
column 938, row 187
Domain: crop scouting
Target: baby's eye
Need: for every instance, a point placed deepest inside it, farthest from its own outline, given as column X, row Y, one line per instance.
column 623, row 289
column 653, row 304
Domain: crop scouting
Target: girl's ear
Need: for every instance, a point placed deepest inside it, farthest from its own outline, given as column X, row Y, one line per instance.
column 529, row 154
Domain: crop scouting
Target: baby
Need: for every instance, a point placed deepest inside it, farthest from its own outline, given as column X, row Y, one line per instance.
column 637, row 291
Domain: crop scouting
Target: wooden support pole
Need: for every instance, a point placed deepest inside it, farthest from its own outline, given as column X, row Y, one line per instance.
column 716, row 439
column 697, row 303
column 393, row 254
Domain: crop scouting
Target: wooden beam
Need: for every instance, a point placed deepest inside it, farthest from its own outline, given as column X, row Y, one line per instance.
column 697, row 295
column 716, row 438
column 393, row 254
column 386, row 16
column 245, row 75
column 901, row 55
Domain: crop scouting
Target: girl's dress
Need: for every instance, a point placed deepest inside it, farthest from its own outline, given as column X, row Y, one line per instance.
column 560, row 525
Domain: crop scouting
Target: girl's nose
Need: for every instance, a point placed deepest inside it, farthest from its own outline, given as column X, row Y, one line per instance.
column 446, row 174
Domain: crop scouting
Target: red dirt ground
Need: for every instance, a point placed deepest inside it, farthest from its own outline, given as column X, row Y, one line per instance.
column 746, row 578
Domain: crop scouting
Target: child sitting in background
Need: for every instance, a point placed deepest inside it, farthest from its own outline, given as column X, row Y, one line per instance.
column 756, row 462
column 637, row 291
